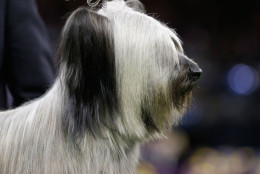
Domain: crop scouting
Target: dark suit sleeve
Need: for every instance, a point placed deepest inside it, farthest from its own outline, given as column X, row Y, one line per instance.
column 29, row 64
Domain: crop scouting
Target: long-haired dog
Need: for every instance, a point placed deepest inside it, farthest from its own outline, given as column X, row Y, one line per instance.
column 123, row 79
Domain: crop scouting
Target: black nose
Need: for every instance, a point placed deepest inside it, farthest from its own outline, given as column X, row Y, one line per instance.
column 194, row 73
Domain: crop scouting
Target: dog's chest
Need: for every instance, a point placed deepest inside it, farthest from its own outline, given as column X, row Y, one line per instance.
column 106, row 159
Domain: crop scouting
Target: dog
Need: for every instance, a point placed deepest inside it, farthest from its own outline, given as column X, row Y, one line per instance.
column 123, row 80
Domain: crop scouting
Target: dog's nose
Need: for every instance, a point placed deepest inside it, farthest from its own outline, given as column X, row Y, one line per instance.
column 194, row 73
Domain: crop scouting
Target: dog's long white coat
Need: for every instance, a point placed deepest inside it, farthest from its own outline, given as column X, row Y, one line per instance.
column 31, row 137
column 31, row 142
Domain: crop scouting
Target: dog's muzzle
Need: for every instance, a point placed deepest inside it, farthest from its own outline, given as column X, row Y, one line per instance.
column 194, row 73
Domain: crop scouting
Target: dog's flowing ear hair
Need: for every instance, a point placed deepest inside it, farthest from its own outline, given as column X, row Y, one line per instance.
column 87, row 55
column 136, row 5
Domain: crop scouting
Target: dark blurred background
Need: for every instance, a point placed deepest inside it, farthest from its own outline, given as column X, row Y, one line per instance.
column 221, row 131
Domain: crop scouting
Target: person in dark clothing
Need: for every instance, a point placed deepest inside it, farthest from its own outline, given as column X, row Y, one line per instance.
column 26, row 64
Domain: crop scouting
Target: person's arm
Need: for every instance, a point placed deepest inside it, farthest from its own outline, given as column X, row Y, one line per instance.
column 28, row 60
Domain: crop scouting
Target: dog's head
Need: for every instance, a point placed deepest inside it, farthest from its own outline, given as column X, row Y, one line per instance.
column 123, row 70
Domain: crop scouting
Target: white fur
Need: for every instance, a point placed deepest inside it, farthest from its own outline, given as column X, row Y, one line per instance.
column 31, row 137
column 146, row 51
column 32, row 142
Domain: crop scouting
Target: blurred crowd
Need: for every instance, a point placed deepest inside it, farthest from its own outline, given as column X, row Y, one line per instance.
column 174, row 156
column 220, row 132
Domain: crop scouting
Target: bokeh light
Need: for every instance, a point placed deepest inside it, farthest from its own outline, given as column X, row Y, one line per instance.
column 243, row 79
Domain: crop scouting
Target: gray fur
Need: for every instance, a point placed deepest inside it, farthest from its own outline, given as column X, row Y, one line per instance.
column 152, row 90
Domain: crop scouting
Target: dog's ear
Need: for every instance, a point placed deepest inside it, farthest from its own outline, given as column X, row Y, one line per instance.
column 87, row 55
column 136, row 5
